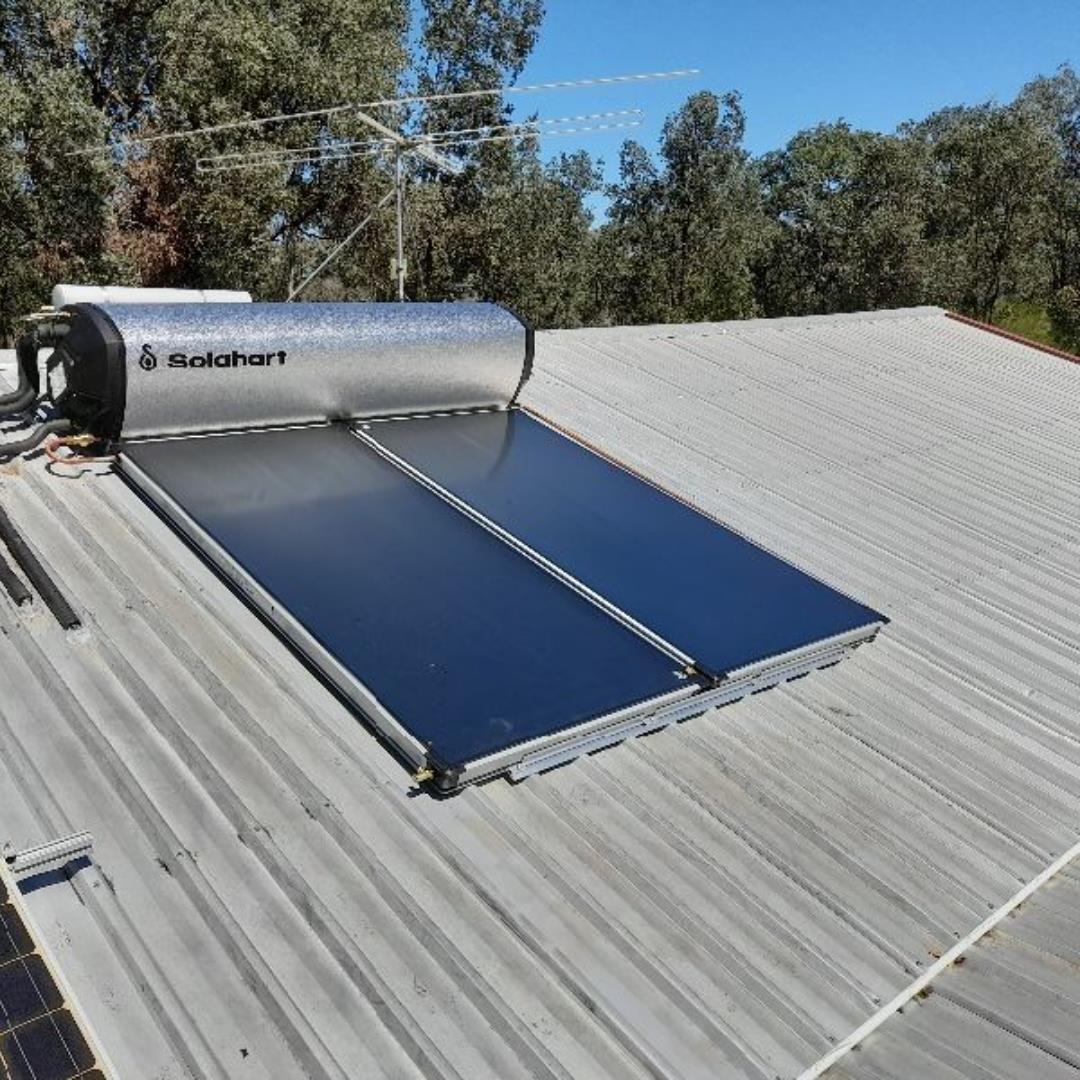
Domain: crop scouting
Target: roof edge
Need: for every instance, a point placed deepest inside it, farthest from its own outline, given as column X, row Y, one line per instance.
column 657, row 331
column 967, row 320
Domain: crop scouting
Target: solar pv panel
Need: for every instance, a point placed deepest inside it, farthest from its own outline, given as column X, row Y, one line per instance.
column 467, row 646
column 716, row 596
column 14, row 940
column 27, row 991
column 48, row 1048
column 39, row 1037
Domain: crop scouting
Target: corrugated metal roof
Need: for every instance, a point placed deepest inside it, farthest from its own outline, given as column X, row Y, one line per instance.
column 1010, row 1011
column 729, row 897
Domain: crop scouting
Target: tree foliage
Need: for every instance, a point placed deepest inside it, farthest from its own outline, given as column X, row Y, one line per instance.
column 989, row 171
column 845, row 209
column 682, row 236
column 973, row 207
column 1064, row 311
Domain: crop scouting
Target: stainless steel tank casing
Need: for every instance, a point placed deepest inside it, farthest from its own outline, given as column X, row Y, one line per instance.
column 219, row 367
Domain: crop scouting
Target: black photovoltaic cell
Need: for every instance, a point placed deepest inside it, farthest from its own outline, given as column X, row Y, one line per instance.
column 39, row 1038
column 27, row 991
column 49, row 1048
column 716, row 596
column 14, row 940
column 469, row 645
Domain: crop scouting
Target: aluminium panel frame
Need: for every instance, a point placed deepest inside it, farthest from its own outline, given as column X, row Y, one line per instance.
column 762, row 677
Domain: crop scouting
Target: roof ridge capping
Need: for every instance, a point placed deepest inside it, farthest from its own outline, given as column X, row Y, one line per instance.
column 659, row 331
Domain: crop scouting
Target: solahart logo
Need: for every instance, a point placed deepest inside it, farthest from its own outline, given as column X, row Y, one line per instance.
column 234, row 359
column 148, row 360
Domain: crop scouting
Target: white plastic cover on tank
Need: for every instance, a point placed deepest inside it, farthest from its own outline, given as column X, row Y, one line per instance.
column 122, row 294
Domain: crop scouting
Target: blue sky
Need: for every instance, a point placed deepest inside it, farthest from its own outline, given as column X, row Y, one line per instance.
column 874, row 64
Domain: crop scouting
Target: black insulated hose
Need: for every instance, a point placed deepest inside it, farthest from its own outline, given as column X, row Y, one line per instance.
column 24, row 395
column 19, row 404
column 9, row 450
column 36, row 574
column 18, row 592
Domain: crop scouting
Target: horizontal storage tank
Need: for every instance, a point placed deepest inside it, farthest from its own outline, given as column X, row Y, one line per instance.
column 136, row 370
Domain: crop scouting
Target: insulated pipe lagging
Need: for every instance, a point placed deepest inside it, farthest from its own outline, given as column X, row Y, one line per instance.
column 13, row 449
column 36, row 574
column 13, row 584
column 18, row 405
column 26, row 351
column 22, row 397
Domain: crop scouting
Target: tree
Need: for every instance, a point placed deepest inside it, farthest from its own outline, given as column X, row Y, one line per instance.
column 1055, row 103
column 56, row 213
column 130, row 75
column 457, row 226
column 991, row 170
column 250, row 228
column 682, row 238
column 967, row 208
column 630, row 269
column 846, row 208
column 469, row 45
column 1064, row 311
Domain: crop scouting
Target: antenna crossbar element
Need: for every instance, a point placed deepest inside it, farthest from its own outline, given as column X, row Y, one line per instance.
column 331, row 155
column 537, row 126
column 442, row 163
column 537, row 133
column 349, row 148
column 217, row 162
column 358, row 108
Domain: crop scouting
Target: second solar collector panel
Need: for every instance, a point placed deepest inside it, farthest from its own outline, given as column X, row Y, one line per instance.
column 714, row 595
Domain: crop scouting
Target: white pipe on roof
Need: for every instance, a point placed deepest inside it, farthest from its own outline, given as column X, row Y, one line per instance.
column 945, row 961
column 122, row 294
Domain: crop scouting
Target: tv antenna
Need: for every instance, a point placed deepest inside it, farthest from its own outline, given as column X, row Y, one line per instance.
column 417, row 144
column 426, row 145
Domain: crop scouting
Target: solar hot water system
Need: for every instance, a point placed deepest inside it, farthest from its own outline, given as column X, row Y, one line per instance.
column 491, row 595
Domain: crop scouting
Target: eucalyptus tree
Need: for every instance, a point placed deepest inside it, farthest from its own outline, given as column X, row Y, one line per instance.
column 991, row 172
column 683, row 232
column 846, row 210
column 1056, row 101
column 56, row 217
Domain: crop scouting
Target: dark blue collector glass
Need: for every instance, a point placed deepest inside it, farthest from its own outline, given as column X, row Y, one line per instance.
column 717, row 596
column 473, row 648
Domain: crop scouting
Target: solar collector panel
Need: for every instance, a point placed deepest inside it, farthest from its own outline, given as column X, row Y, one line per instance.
column 713, row 594
column 471, row 648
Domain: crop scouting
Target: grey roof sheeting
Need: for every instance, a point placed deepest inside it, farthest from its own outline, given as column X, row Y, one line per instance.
column 1010, row 1011
column 729, row 897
